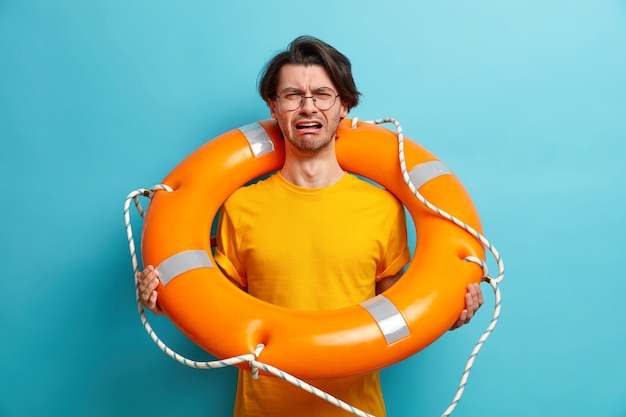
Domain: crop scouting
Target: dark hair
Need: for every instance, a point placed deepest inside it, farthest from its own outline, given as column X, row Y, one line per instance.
column 307, row 50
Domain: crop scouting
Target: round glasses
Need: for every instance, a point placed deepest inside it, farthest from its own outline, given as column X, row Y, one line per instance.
column 323, row 98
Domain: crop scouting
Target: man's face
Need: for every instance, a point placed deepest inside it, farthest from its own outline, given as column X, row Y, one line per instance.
column 307, row 129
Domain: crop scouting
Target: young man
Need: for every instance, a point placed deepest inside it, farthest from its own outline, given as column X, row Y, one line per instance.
column 310, row 236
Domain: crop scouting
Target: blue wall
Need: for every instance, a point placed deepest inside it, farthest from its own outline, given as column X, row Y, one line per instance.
column 525, row 100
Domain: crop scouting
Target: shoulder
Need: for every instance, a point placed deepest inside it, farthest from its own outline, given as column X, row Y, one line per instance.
column 247, row 194
column 368, row 190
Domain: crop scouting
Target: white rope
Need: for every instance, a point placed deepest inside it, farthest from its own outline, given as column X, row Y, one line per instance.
column 256, row 365
column 493, row 282
column 252, row 358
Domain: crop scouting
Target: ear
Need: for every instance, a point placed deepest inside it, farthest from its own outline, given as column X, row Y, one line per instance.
column 344, row 110
column 272, row 106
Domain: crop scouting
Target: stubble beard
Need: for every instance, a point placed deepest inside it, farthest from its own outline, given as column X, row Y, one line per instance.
column 312, row 146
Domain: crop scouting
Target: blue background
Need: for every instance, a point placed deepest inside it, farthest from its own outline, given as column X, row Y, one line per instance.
column 525, row 100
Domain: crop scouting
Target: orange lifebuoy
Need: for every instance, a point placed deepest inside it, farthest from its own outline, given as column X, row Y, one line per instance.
column 374, row 334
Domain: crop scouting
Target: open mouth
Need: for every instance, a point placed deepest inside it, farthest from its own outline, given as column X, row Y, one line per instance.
column 312, row 125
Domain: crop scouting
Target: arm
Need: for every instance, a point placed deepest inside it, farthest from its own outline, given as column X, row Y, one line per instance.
column 232, row 280
column 226, row 249
column 385, row 283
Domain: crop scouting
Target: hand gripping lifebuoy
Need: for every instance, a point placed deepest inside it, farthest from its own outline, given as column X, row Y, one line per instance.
column 379, row 332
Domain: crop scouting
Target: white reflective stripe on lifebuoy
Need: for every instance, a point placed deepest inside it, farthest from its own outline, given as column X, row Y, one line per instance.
column 427, row 171
column 258, row 139
column 388, row 318
column 182, row 262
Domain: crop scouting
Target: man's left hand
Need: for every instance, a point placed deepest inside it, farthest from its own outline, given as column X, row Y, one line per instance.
column 473, row 301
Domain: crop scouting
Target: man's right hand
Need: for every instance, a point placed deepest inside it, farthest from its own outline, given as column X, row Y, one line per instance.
column 147, row 282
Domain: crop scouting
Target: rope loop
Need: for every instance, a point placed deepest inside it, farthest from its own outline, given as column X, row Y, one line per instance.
column 144, row 192
column 253, row 362
column 480, row 263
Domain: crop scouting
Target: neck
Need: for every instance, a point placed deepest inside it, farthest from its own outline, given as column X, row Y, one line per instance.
column 312, row 172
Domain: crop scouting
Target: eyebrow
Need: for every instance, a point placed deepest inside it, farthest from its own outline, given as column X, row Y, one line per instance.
column 297, row 90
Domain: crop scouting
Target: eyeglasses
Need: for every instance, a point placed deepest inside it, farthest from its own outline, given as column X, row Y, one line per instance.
column 323, row 98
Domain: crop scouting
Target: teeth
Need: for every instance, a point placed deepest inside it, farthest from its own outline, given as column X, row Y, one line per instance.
column 305, row 125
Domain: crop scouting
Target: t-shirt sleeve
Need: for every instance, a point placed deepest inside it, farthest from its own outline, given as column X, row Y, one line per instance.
column 226, row 253
column 396, row 255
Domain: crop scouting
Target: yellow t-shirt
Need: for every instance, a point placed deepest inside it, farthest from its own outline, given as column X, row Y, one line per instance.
column 311, row 249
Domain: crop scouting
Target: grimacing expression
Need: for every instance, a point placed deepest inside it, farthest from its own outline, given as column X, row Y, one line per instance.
column 308, row 129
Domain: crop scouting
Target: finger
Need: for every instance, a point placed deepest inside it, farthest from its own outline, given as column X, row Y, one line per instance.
column 481, row 298
column 145, row 290
column 461, row 321
column 143, row 284
column 474, row 299
column 146, row 278
column 149, row 290
column 146, row 270
column 150, row 273
column 463, row 317
column 140, row 276
column 469, row 307
column 472, row 289
column 151, row 300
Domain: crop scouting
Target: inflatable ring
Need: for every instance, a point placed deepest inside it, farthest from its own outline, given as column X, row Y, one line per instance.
column 379, row 332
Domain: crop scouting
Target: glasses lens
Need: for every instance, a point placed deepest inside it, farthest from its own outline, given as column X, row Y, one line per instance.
column 290, row 101
column 323, row 99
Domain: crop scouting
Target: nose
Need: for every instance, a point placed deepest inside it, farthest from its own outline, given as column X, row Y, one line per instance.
column 307, row 105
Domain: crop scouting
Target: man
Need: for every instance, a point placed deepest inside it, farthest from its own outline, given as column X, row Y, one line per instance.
column 311, row 236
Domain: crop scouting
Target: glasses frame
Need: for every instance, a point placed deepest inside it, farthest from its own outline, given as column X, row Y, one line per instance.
column 280, row 97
